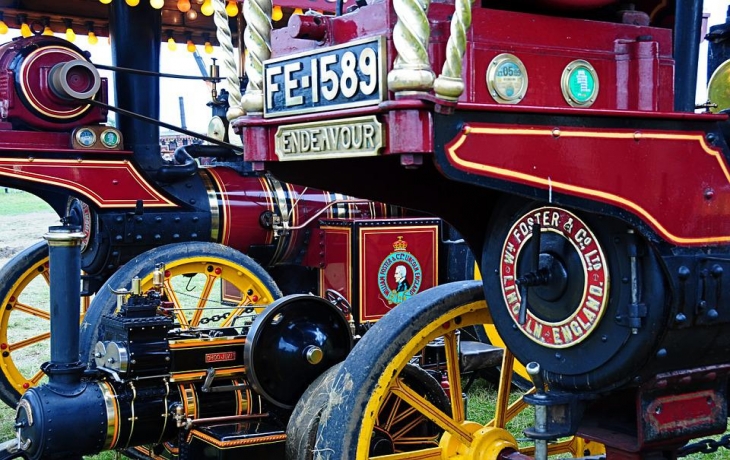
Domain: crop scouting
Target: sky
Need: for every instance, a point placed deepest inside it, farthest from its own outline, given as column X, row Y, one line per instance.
column 196, row 93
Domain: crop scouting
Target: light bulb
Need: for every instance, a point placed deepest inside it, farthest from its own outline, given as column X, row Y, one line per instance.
column 192, row 14
column 298, row 11
column 25, row 30
column 47, row 31
column 105, row 2
column 208, row 48
column 191, row 46
column 70, row 34
column 157, row 4
column 183, row 5
column 232, row 8
column 207, row 8
column 132, row 2
column 3, row 27
column 171, row 45
column 276, row 13
column 93, row 40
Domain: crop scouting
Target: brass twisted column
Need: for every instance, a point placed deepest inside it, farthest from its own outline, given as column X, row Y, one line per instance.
column 411, row 69
column 257, row 38
column 223, row 33
column 449, row 85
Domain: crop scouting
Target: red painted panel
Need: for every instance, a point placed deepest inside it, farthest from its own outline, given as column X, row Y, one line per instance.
column 108, row 184
column 629, row 70
column 675, row 182
column 337, row 271
column 395, row 264
column 242, row 200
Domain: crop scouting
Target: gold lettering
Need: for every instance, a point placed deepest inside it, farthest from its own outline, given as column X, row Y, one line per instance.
column 595, row 290
column 590, row 316
column 357, row 136
column 566, row 333
column 369, row 136
column 556, row 336
column 556, row 219
column 536, row 329
column 593, row 304
column 575, row 328
column 513, row 302
column 346, row 137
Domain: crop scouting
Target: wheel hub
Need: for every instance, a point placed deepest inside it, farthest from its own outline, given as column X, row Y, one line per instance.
column 486, row 444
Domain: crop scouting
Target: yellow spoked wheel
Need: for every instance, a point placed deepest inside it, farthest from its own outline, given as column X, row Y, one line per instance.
column 195, row 275
column 354, row 422
column 24, row 321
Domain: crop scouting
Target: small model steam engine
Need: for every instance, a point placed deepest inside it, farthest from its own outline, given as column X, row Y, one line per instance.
column 159, row 390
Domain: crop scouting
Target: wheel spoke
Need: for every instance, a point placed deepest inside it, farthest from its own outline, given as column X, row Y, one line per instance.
column 37, row 312
column 29, row 341
column 203, row 300
column 425, row 454
column 503, row 391
column 430, row 411
column 454, row 376
column 172, row 297
column 37, row 378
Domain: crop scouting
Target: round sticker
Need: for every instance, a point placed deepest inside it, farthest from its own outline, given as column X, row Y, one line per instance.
column 85, row 137
column 579, row 84
column 110, row 138
column 556, row 319
column 507, row 79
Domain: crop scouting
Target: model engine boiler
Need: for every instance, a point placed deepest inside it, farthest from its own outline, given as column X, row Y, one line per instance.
column 155, row 383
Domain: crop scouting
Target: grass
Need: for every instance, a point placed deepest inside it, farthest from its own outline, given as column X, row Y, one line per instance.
column 16, row 202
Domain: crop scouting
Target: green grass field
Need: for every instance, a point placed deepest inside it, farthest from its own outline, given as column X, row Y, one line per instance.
column 481, row 398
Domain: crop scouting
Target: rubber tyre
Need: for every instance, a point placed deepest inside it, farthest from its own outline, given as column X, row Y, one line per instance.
column 193, row 258
column 376, row 361
column 301, row 432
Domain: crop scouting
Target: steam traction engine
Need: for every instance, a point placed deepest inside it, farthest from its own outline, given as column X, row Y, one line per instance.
column 594, row 195
column 558, row 139
column 172, row 371
column 115, row 185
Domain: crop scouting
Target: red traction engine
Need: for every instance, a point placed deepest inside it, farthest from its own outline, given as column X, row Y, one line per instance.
column 168, row 371
column 129, row 200
column 593, row 193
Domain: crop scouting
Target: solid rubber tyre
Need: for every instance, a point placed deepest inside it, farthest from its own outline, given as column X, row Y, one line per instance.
column 301, row 431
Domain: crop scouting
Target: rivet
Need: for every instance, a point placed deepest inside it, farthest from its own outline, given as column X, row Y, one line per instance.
column 556, row 132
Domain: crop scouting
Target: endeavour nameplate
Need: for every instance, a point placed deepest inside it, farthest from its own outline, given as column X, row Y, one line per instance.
column 342, row 138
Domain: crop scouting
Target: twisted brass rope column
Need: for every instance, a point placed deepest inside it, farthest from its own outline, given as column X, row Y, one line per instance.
column 223, row 33
column 257, row 38
column 411, row 69
column 449, row 85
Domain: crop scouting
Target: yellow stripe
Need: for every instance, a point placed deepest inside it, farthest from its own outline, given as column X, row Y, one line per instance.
column 452, row 152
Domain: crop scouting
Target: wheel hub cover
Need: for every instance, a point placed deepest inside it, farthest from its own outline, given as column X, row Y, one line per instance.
column 578, row 315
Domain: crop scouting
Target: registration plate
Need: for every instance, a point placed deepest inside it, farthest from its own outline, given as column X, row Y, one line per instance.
column 343, row 76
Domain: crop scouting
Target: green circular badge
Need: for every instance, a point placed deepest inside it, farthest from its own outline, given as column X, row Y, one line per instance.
column 110, row 138
column 580, row 84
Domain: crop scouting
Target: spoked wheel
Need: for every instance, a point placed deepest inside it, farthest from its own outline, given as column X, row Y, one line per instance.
column 24, row 321
column 355, row 417
column 194, row 275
